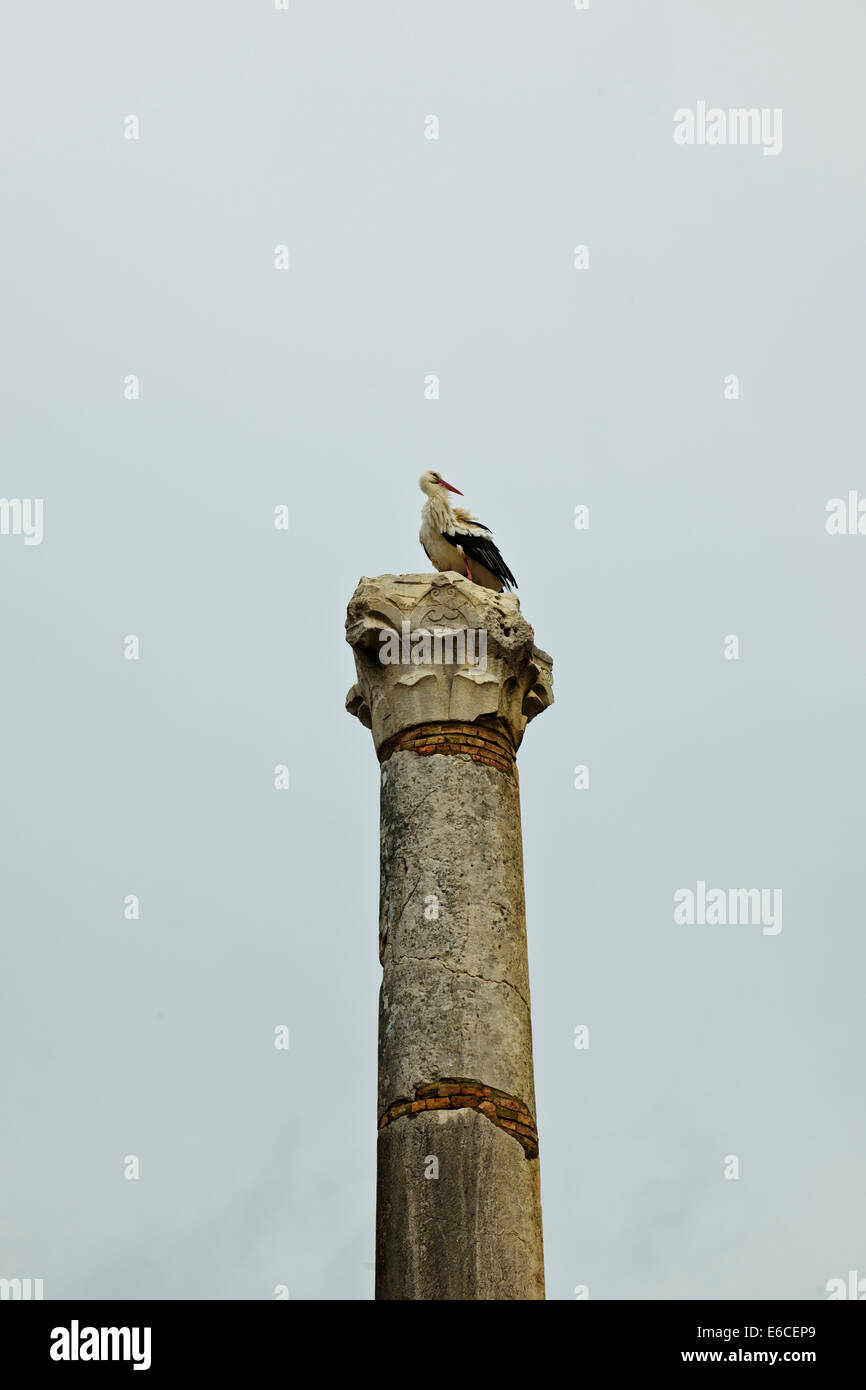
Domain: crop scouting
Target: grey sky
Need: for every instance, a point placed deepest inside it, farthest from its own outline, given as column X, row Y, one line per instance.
column 603, row 386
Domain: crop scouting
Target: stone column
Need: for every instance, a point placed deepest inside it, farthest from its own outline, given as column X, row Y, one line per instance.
column 458, row 1210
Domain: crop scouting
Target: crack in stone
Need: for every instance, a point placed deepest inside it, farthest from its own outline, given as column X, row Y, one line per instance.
column 407, row 815
column 457, row 970
column 406, row 901
column 398, row 919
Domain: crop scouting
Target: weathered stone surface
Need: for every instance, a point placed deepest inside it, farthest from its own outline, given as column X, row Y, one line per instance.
column 452, row 938
column 515, row 686
column 473, row 1232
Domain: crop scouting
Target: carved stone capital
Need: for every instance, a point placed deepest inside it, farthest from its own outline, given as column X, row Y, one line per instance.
column 484, row 667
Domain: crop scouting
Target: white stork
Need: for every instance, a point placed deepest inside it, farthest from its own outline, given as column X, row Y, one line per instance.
column 453, row 538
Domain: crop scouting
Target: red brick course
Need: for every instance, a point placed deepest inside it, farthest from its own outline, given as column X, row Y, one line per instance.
column 454, row 1093
column 480, row 742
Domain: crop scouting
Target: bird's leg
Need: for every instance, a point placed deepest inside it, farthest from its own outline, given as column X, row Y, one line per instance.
column 468, row 570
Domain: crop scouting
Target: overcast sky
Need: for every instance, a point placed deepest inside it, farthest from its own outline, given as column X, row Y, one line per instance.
column 603, row 386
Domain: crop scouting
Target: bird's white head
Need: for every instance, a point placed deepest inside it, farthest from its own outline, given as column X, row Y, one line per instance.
column 431, row 481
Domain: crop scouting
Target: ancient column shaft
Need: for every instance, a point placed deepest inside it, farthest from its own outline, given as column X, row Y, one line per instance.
column 458, row 1204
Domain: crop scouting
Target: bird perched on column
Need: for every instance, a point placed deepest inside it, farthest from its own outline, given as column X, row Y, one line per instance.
column 453, row 539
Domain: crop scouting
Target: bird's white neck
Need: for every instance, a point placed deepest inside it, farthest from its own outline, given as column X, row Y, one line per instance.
column 438, row 509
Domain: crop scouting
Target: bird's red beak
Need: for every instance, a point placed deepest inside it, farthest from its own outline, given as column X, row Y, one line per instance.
column 450, row 488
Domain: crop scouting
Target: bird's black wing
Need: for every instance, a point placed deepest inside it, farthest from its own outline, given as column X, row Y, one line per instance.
column 482, row 549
